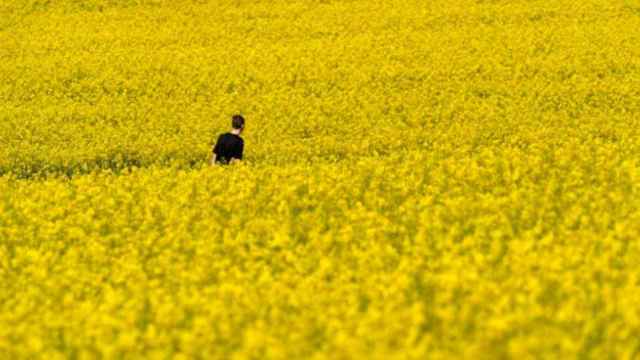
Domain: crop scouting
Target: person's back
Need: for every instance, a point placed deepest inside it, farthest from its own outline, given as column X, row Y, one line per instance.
column 230, row 146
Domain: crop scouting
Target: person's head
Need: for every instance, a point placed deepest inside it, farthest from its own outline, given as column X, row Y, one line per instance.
column 237, row 123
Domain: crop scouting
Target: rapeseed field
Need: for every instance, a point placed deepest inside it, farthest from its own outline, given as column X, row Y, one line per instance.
column 422, row 179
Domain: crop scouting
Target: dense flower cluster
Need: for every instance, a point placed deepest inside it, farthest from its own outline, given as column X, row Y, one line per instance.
column 422, row 179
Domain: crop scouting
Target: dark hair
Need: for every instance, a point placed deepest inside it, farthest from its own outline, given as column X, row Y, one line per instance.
column 237, row 121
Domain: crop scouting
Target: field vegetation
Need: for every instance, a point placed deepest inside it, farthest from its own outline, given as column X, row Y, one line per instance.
column 439, row 179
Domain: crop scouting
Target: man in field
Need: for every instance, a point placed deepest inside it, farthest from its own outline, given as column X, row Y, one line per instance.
column 230, row 145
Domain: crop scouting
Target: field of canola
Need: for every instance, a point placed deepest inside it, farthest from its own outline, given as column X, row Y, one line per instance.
column 423, row 179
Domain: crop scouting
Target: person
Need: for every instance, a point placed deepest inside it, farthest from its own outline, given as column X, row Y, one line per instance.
column 230, row 145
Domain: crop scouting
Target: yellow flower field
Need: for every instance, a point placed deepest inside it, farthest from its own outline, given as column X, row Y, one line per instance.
column 444, row 179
